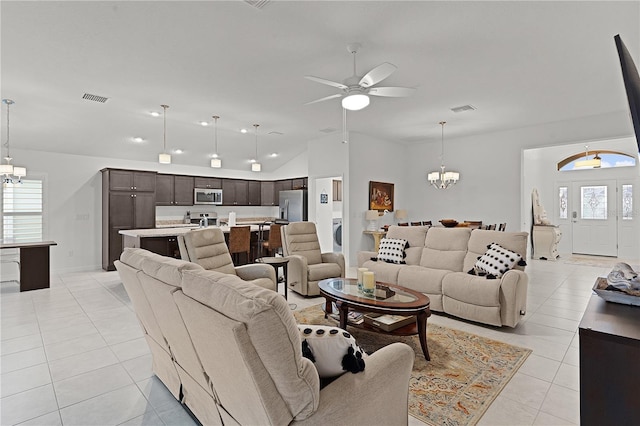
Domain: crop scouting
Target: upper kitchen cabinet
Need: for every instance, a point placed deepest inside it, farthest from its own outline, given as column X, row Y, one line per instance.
column 299, row 183
column 235, row 192
column 174, row 190
column 254, row 191
column 267, row 193
column 208, row 182
column 282, row 185
column 130, row 180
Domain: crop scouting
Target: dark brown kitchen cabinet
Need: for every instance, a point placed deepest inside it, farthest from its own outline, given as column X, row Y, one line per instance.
column 174, row 190
column 299, row 183
column 209, row 183
column 128, row 202
column 165, row 246
column 283, row 185
column 267, row 193
column 235, row 192
column 254, row 191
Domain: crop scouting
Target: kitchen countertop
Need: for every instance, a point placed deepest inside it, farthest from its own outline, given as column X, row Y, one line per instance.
column 174, row 231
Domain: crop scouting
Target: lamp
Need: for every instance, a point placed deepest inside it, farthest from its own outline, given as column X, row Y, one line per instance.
column 9, row 171
column 594, row 163
column 255, row 166
column 164, row 158
column 442, row 179
column 355, row 102
column 372, row 217
column 215, row 161
column 401, row 214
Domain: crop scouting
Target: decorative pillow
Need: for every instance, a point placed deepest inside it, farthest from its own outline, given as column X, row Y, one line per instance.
column 332, row 350
column 496, row 261
column 392, row 250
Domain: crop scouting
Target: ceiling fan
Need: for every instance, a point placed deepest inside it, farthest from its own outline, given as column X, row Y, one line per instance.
column 356, row 89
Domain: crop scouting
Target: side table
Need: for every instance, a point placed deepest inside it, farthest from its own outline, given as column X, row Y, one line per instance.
column 377, row 236
column 277, row 262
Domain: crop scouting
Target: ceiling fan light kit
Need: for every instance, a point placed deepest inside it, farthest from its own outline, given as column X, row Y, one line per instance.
column 442, row 179
column 355, row 102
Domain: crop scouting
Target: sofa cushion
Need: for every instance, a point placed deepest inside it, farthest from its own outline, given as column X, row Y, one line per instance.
column 385, row 272
column 471, row 289
column 302, row 239
column 415, row 235
column 166, row 269
column 480, row 239
column 445, row 248
column 495, row 261
column 327, row 346
column 391, row 250
column 321, row 271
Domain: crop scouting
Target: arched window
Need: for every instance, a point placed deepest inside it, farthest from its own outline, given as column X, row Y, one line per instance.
column 596, row 160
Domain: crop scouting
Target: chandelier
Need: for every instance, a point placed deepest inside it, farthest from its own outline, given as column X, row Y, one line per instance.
column 8, row 171
column 594, row 163
column 443, row 179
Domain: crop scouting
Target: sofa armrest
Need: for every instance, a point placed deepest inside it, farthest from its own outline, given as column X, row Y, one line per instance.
column 363, row 256
column 297, row 271
column 377, row 396
column 254, row 271
column 513, row 297
column 334, row 258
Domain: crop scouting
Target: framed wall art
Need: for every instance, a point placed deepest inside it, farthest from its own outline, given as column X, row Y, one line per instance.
column 380, row 196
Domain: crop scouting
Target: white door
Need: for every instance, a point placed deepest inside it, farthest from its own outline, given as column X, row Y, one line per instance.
column 594, row 218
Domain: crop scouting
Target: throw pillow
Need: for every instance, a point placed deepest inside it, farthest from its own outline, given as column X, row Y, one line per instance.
column 496, row 261
column 332, row 350
column 391, row 250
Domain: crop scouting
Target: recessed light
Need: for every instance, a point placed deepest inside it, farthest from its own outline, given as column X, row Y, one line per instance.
column 155, row 114
column 138, row 139
column 243, row 130
column 252, row 160
column 274, row 154
column 177, row 151
column 214, row 156
column 204, row 123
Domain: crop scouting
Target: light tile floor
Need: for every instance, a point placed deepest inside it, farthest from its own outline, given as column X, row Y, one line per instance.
column 74, row 354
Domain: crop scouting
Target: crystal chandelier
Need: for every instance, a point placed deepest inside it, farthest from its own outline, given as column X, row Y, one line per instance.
column 443, row 179
column 10, row 173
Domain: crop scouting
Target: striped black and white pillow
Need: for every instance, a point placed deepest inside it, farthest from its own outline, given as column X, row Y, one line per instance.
column 392, row 250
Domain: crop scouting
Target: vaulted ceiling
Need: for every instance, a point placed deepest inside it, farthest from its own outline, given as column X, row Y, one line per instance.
column 519, row 63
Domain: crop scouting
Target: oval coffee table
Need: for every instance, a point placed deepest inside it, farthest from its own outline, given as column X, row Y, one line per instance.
column 398, row 301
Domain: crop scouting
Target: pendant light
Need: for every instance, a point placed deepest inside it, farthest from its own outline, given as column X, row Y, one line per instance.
column 255, row 166
column 216, row 163
column 594, row 163
column 443, row 179
column 8, row 170
column 164, row 158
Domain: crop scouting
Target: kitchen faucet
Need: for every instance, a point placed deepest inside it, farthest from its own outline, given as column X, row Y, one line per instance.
column 204, row 222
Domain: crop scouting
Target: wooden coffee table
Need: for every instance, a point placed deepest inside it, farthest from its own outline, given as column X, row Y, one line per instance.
column 344, row 292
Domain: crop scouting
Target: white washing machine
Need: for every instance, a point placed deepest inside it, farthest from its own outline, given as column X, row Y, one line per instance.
column 337, row 235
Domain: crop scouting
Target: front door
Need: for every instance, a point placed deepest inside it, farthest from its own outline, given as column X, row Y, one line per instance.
column 594, row 218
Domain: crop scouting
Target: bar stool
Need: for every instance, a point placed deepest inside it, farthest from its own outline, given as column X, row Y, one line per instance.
column 274, row 243
column 240, row 242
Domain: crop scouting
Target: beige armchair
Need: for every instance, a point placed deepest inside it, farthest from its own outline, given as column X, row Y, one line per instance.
column 307, row 265
column 207, row 248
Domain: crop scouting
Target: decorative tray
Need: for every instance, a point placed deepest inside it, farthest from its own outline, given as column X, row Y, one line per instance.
column 614, row 296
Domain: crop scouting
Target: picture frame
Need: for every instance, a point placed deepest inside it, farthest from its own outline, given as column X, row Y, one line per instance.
column 381, row 196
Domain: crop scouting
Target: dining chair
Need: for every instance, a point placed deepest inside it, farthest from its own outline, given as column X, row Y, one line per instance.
column 416, row 223
column 403, row 224
column 240, row 242
column 491, row 227
column 474, row 224
column 426, row 223
column 502, row 227
column 274, row 243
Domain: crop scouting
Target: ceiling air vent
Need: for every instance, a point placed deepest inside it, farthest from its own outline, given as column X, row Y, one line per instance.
column 94, row 98
column 463, row 108
column 328, row 130
column 258, row 4
column 276, row 133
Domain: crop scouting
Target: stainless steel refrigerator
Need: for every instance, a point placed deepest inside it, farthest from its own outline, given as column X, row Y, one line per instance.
column 293, row 205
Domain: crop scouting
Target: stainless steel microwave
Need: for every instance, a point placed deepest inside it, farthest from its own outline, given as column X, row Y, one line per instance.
column 207, row 196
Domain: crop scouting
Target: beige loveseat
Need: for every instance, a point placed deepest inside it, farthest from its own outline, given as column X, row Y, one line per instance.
column 231, row 352
column 437, row 262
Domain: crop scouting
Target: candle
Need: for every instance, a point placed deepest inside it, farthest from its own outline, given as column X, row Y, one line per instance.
column 360, row 272
column 368, row 281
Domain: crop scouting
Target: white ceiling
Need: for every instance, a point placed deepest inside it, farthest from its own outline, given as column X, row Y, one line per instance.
column 520, row 63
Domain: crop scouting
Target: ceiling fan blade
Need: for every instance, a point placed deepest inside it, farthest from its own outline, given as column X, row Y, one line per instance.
column 377, row 74
column 326, row 98
column 327, row 82
column 392, row 92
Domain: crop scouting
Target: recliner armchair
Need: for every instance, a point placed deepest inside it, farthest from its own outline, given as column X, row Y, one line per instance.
column 307, row 264
column 207, row 248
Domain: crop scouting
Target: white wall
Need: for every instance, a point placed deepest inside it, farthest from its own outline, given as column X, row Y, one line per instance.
column 324, row 213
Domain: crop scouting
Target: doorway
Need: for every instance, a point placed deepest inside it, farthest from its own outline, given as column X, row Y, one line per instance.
column 594, row 218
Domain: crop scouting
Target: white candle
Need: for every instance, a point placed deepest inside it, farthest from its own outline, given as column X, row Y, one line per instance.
column 360, row 271
column 368, row 280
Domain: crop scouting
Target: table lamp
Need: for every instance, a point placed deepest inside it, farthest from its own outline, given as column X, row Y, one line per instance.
column 401, row 215
column 372, row 217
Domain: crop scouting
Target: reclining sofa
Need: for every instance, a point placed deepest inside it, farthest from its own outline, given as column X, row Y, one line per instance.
column 231, row 352
column 437, row 264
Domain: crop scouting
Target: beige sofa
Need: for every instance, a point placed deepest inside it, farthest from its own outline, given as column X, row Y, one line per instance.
column 231, row 352
column 437, row 262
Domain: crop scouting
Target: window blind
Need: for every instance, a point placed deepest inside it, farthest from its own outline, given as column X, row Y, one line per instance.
column 22, row 211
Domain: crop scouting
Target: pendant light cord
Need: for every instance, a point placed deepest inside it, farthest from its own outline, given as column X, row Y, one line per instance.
column 215, row 134
column 8, row 102
column 442, row 123
column 164, row 116
column 256, row 127
column 344, row 126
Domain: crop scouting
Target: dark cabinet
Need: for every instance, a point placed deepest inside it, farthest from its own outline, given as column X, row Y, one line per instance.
column 235, row 192
column 207, row 182
column 174, row 190
column 254, row 192
column 299, row 183
column 283, row 185
column 267, row 193
column 165, row 246
column 128, row 202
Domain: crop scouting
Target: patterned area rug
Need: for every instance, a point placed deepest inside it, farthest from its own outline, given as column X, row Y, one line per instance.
column 464, row 376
